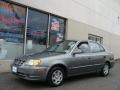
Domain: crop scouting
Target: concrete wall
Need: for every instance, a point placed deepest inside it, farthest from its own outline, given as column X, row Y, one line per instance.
column 79, row 31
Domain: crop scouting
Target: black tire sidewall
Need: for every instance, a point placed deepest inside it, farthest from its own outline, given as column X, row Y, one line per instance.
column 49, row 76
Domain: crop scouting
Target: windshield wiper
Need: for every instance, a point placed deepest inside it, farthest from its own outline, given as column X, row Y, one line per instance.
column 50, row 51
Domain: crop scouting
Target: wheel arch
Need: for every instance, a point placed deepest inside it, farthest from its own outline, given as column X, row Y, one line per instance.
column 108, row 62
column 61, row 66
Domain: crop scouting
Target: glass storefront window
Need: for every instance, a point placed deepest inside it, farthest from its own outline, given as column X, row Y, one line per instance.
column 13, row 26
column 57, row 29
column 36, row 31
column 12, row 23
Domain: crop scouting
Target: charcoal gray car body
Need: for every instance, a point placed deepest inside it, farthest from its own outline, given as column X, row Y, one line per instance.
column 81, row 57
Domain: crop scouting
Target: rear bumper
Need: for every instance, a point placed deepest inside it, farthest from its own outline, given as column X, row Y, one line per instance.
column 31, row 73
column 112, row 63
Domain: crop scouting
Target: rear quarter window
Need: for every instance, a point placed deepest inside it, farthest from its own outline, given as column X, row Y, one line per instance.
column 94, row 47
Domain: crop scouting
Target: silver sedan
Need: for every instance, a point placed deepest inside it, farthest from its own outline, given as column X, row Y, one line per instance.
column 66, row 59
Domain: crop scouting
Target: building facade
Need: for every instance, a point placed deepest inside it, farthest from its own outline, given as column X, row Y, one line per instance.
column 28, row 26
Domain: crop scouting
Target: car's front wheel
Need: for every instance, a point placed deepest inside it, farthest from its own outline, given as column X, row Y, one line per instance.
column 56, row 76
column 105, row 70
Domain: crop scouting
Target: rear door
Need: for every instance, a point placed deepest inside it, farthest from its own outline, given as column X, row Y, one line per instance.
column 97, row 53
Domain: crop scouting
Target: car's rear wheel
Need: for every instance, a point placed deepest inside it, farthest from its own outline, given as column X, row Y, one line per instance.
column 56, row 76
column 105, row 70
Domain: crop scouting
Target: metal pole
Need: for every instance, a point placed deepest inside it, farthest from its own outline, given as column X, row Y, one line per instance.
column 48, row 40
column 118, row 19
column 26, row 23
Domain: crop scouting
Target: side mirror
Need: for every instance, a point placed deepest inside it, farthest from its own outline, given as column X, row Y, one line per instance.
column 77, row 52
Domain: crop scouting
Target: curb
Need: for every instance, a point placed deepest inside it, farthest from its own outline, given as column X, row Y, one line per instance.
column 5, row 66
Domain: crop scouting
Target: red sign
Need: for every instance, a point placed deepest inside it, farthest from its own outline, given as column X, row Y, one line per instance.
column 55, row 25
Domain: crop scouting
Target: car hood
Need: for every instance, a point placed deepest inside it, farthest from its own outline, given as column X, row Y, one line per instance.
column 44, row 54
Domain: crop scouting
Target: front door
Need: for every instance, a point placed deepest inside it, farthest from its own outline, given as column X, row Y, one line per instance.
column 80, row 61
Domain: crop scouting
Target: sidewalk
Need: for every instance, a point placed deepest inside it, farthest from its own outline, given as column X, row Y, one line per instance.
column 117, row 59
column 5, row 65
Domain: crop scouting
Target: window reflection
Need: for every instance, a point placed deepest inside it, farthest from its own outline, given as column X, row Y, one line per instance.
column 12, row 21
column 12, row 30
column 36, row 31
column 57, row 30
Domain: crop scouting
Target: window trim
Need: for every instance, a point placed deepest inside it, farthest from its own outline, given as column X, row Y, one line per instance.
column 95, row 37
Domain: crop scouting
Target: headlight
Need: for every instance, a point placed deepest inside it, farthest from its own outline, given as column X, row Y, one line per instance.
column 33, row 62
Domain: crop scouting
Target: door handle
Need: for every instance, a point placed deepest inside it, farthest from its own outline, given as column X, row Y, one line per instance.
column 111, row 58
column 89, row 58
column 104, row 57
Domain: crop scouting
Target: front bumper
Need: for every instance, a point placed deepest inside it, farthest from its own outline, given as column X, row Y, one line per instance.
column 31, row 73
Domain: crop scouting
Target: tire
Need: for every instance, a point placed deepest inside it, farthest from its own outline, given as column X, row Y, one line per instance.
column 105, row 70
column 55, row 76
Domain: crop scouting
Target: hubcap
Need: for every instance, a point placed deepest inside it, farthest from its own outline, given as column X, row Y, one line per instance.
column 57, row 77
column 106, row 69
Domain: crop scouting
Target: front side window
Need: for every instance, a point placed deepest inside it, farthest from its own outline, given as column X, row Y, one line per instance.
column 83, row 47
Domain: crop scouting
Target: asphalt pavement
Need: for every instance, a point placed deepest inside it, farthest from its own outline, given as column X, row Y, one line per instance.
column 83, row 82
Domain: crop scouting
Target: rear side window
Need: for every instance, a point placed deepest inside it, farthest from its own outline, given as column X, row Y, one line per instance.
column 94, row 47
column 101, row 48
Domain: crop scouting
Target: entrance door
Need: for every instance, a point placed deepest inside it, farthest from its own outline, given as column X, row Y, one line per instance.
column 36, row 31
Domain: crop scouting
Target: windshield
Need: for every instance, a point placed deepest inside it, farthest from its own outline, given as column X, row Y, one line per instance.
column 64, row 47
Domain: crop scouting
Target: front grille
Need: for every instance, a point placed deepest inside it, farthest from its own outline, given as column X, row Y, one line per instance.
column 18, row 62
column 21, row 74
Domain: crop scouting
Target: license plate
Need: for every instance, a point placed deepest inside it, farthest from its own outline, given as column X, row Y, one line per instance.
column 14, row 69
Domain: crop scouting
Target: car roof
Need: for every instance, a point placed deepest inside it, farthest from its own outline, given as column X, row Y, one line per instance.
column 82, row 40
column 86, row 41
